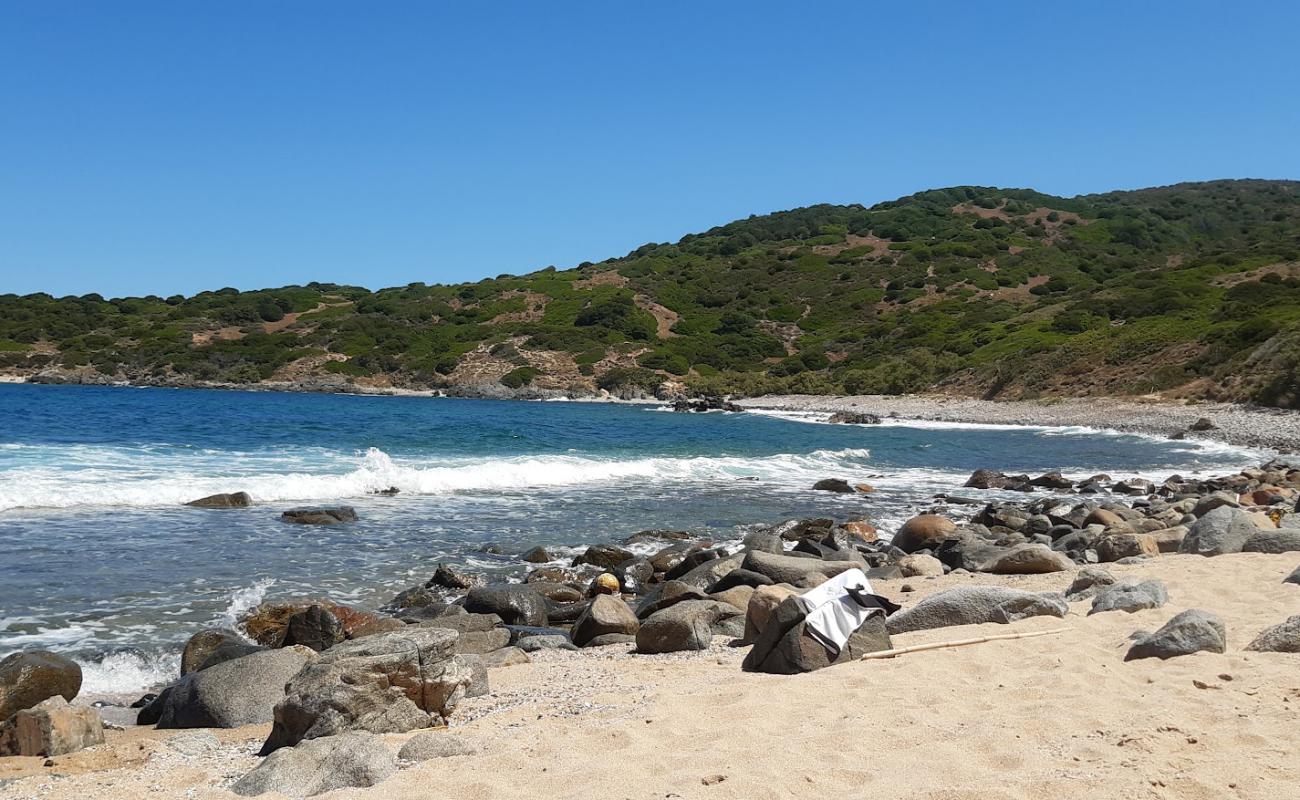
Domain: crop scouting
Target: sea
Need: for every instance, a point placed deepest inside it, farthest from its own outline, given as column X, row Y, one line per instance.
column 101, row 560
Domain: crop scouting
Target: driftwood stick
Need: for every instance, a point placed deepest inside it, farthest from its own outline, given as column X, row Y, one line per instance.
column 916, row 648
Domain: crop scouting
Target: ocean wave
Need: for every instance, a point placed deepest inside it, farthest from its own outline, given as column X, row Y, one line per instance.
column 145, row 486
column 127, row 672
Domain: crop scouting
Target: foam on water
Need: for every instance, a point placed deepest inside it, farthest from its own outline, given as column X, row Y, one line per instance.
column 128, row 672
column 242, row 601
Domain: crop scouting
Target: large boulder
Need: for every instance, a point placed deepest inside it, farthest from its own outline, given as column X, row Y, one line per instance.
column 213, row 646
column 347, row 761
column 1029, row 559
column 388, row 683
column 335, row 515
column 924, row 531
column 516, row 604
column 687, row 625
column 606, row 614
column 230, row 500
column 1126, row 545
column 28, row 678
column 1130, row 596
column 1189, row 632
column 1283, row 638
column 243, row 691
column 796, row 571
column 1282, row 540
column 707, row 573
column 762, row 605
column 973, row 605
column 51, row 728
column 785, row 647
column 1223, row 529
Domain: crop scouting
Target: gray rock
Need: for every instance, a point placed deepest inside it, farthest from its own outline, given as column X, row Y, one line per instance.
column 465, row 623
column 1212, row 501
column 1190, row 632
column 28, row 678
column 605, row 556
column 203, row 645
column 335, row 515
column 1130, row 596
column 387, row 683
column 1283, row 638
column 687, row 625
column 239, row 692
column 972, row 605
column 802, row 572
column 708, row 573
column 431, row 745
column 1221, row 530
column 763, row 541
column 314, row 627
column 666, row 594
column 516, row 604
column 478, row 674
column 1282, row 540
column 231, row 500
column 533, row 644
column 349, row 760
column 51, row 728
column 482, row 642
column 606, row 614
column 738, row 577
column 838, row 485
column 506, row 657
column 606, row 639
column 1294, row 577
column 1088, row 582
column 784, row 646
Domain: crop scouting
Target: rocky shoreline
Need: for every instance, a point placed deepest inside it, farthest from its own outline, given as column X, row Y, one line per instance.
column 332, row 681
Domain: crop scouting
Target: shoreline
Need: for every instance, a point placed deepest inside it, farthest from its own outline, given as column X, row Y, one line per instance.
column 1243, row 426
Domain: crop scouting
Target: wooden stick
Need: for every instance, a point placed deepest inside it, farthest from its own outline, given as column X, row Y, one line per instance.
column 916, row 648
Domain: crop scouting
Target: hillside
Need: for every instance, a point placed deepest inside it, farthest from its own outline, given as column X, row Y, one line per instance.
column 1190, row 290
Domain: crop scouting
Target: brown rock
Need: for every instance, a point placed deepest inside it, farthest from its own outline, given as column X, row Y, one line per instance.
column 1029, row 559
column 861, row 530
column 736, row 596
column 1104, row 517
column 606, row 614
column 762, row 604
column 919, row 565
column 51, row 728
column 1127, row 545
column 927, row 530
column 28, row 678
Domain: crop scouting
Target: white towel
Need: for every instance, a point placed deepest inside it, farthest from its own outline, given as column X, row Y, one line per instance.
column 832, row 615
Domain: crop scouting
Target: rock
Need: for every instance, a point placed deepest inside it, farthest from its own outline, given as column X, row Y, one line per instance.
column 1103, row 517
column 1294, row 577
column 853, row 418
column 605, row 556
column 315, row 628
column 448, row 577
column 516, row 604
column 213, row 646
column 920, row 565
column 465, row 623
column 606, row 639
column 431, row 745
column 785, row 647
column 803, row 572
column 738, row 577
column 1189, row 632
column 1028, row 559
column 762, row 604
column 1282, row 540
column 1212, row 501
column 1130, row 596
column 336, row 515
column 1134, row 486
column 837, row 485
column 687, row 625
column 973, row 605
column 606, row 614
column 536, row 555
column 1168, row 540
column 482, row 642
column 605, row 583
column 860, row 530
column 992, row 479
column 243, row 691
column 535, row 643
column 665, row 595
column 505, row 657
column 924, row 531
column 29, row 678
column 1088, row 582
column 231, row 500
column 558, row 592
column 1052, row 480
column 1283, row 638
column 1126, row 545
column 708, row 573
column 51, row 728
column 390, row 683
column 634, row 574
column 1202, row 424
column 478, row 674
column 764, row 541
column 1221, row 530
column 737, row 597
column 349, row 760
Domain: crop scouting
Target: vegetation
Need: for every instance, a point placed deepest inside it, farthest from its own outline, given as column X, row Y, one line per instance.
column 1192, row 289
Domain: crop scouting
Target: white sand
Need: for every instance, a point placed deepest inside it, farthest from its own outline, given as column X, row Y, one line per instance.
column 1048, row 717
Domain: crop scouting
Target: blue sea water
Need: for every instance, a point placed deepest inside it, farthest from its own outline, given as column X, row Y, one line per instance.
column 100, row 559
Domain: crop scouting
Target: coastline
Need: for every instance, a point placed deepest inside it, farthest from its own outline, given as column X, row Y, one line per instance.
column 1239, row 425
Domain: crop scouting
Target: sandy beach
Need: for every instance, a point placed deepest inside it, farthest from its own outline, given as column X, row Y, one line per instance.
column 1048, row 717
column 1246, row 426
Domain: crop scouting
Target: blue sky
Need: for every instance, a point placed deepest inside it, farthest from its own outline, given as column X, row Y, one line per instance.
column 175, row 146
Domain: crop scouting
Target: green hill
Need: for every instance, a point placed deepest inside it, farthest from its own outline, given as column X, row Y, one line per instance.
column 1189, row 290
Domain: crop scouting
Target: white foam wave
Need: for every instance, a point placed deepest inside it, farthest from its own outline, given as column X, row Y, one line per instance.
column 242, row 601
column 127, row 672
column 45, row 487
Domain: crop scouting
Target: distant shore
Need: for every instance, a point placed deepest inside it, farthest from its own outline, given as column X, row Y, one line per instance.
column 1244, row 426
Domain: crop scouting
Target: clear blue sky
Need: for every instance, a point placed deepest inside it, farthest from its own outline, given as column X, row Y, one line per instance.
column 175, row 146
